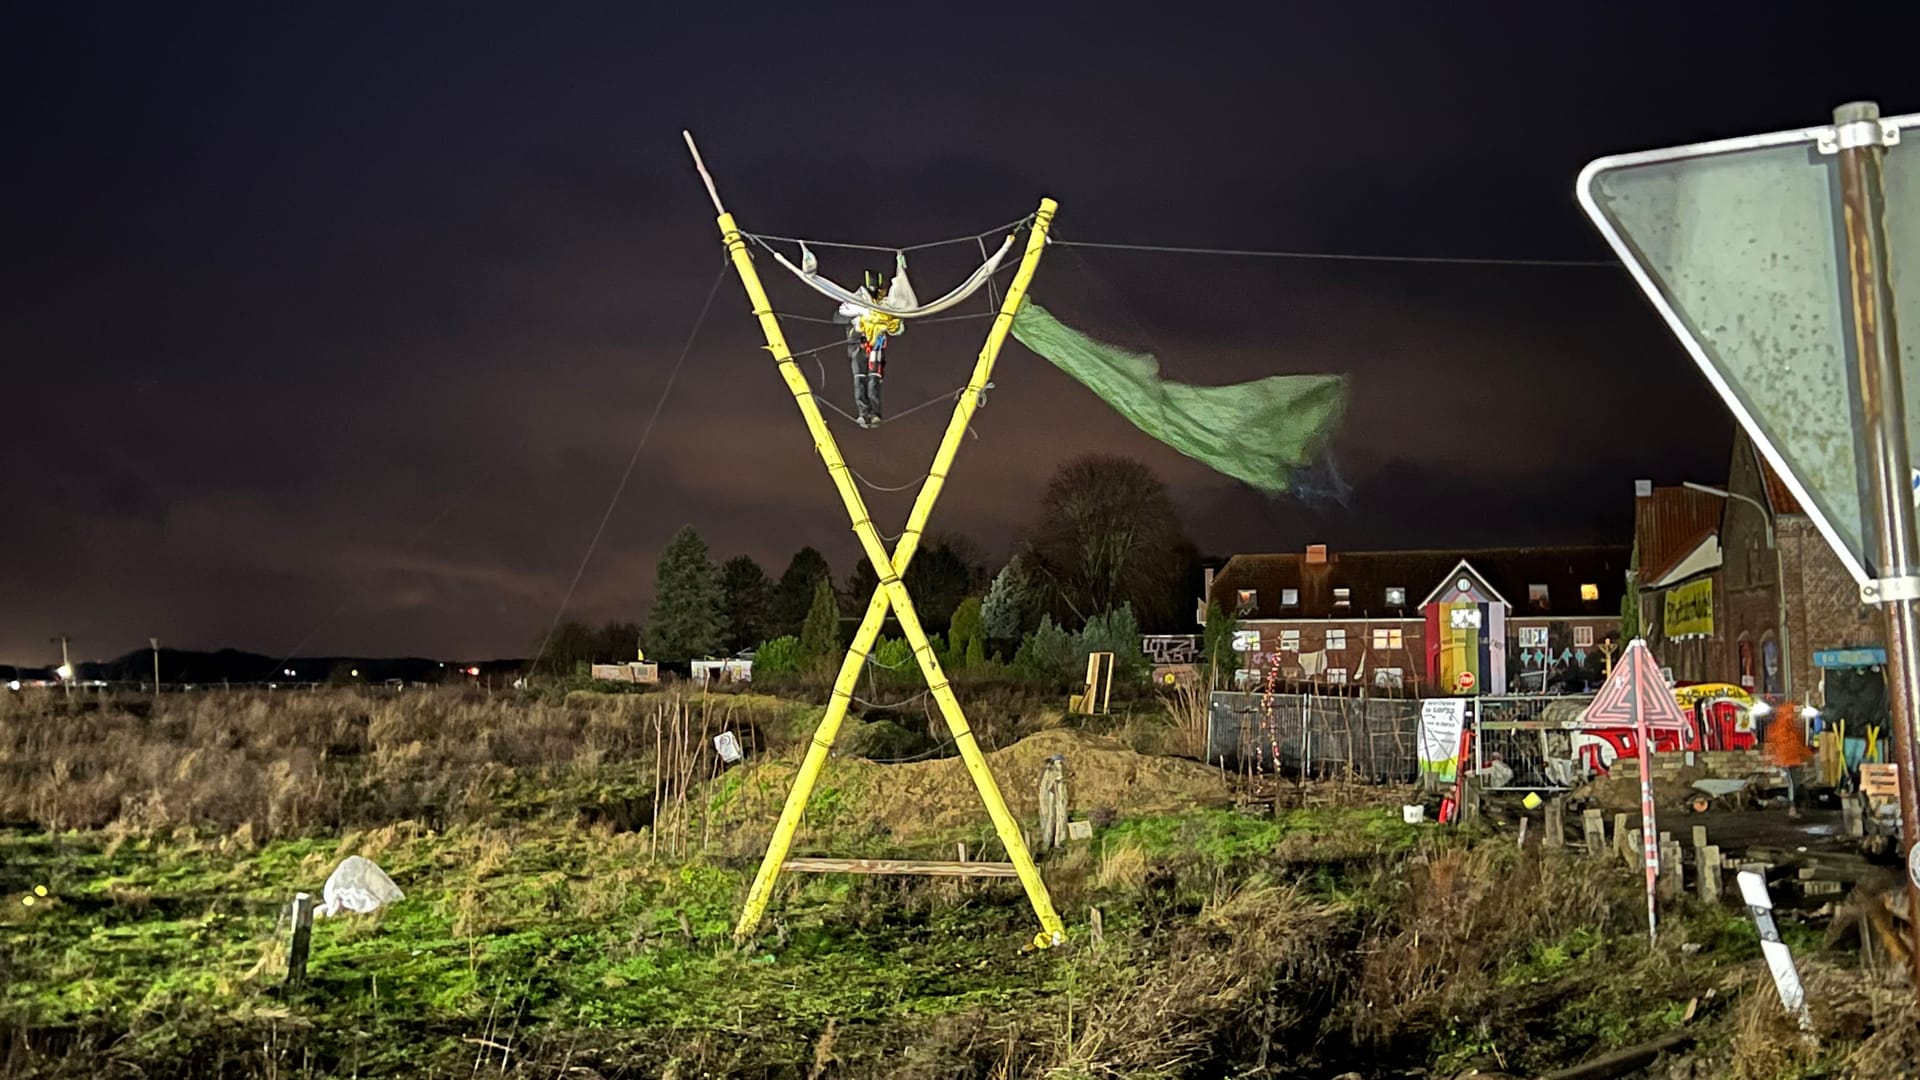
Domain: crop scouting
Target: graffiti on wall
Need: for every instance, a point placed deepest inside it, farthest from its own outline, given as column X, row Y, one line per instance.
column 1171, row 648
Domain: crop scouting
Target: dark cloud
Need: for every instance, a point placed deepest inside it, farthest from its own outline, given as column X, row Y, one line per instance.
column 338, row 329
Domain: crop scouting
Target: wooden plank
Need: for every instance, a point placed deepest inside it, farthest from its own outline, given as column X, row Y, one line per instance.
column 1623, row 1061
column 1880, row 781
column 935, row 868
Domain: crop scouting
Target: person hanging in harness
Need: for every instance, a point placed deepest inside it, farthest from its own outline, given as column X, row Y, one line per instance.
column 868, row 332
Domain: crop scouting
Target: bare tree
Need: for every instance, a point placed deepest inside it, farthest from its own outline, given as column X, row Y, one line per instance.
column 1109, row 535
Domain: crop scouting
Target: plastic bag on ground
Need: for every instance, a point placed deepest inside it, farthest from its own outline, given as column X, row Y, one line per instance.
column 357, row 885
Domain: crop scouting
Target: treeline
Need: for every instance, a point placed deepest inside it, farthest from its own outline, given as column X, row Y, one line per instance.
column 1105, row 558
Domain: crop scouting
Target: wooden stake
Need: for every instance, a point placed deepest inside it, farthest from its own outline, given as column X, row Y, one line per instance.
column 1670, row 869
column 302, row 939
column 1556, row 834
column 1710, row 870
column 1594, row 824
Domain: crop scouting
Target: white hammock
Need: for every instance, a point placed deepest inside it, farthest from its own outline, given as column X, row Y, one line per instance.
column 901, row 300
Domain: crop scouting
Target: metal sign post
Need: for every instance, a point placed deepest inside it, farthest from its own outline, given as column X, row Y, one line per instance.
column 1769, row 258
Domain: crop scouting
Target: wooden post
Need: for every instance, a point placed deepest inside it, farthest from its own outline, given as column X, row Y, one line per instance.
column 1522, row 841
column 1556, row 834
column 302, row 939
column 1468, row 792
column 1594, row 824
column 1095, row 926
column 1625, row 840
column 1631, row 851
column 1053, row 806
column 1699, row 837
column 1851, row 814
column 1671, row 872
column 1709, row 866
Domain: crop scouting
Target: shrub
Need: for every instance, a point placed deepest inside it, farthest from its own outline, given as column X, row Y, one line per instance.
column 1047, row 654
column 781, row 656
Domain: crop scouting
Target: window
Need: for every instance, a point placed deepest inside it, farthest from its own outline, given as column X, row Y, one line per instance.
column 1337, row 638
column 1583, row 637
column 1590, row 593
column 1533, row 637
column 1289, row 641
column 1388, row 637
column 1388, row 678
column 1336, row 676
column 1396, row 597
column 1289, row 597
column 1244, row 600
column 1341, row 597
column 1537, row 597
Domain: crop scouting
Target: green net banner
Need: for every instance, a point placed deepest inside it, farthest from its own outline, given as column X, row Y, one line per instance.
column 1258, row 432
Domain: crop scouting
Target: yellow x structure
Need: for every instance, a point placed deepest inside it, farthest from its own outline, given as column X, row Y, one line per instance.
column 891, row 593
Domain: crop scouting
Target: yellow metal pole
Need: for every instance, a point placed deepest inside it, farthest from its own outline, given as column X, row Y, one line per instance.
column 891, row 593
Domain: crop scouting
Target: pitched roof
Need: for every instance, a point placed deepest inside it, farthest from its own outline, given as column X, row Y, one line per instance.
column 1367, row 575
column 1670, row 524
column 1777, row 493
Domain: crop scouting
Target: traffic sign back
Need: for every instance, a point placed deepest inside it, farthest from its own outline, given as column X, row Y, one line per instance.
column 1739, row 246
column 1636, row 691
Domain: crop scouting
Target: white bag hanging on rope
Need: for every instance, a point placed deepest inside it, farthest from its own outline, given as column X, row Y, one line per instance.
column 900, row 295
column 357, row 885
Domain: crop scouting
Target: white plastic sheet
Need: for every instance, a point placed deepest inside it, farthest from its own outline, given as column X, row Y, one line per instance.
column 359, row 886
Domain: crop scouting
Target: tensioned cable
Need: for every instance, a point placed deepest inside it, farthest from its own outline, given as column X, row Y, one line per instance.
column 818, row 393
column 1335, row 256
column 631, row 462
column 1014, row 224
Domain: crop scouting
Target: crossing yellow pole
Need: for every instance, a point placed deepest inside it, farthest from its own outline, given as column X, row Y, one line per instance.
column 891, row 593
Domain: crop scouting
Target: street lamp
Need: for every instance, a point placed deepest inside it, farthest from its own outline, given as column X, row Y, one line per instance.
column 1725, row 494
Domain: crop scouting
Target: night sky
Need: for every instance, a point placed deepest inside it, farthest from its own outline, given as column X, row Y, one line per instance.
column 335, row 332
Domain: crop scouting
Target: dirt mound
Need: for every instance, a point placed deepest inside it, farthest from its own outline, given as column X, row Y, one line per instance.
column 1102, row 773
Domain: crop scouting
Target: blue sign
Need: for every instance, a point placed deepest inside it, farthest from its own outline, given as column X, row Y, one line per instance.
column 1850, row 658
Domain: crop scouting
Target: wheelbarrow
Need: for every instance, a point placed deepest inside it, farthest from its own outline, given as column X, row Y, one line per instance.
column 1729, row 793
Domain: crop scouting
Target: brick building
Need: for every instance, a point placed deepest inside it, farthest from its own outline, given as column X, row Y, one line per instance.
column 1455, row 622
column 1679, row 579
column 1786, row 618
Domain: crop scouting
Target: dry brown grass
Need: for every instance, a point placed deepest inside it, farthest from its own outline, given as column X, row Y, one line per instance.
column 1876, row 1017
column 1219, row 970
column 260, row 766
column 1460, row 912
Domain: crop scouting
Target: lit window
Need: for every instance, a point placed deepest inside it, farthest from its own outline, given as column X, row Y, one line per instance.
column 1583, row 637
column 1590, row 593
column 1337, row 638
column 1387, row 637
column 1336, row 676
column 1396, row 597
column 1245, row 599
column 1289, row 641
column 1388, row 678
column 1537, row 596
column 1341, row 597
column 1289, row 597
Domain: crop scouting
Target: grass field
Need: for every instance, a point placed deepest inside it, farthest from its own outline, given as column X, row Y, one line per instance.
column 573, row 868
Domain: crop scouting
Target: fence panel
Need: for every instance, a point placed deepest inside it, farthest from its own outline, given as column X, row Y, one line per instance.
column 1372, row 739
column 1376, row 739
column 1533, row 736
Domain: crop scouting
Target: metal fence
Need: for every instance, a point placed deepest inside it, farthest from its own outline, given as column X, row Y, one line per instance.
column 1367, row 739
column 1533, row 736
column 1377, row 739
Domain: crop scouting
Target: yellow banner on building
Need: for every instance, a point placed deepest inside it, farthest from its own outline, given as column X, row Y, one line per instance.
column 1690, row 610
